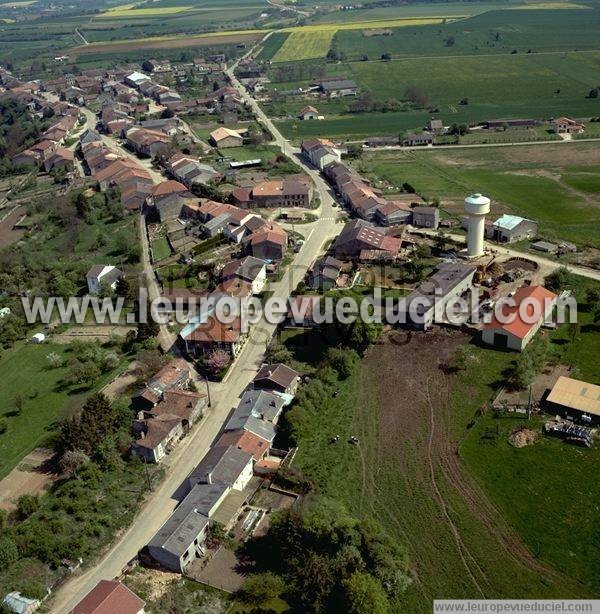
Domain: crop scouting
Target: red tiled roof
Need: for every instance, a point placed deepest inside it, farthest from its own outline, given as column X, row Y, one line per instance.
column 518, row 327
column 245, row 441
column 109, row 597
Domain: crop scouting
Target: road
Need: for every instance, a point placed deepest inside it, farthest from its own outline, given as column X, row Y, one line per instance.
column 224, row 398
column 501, row 250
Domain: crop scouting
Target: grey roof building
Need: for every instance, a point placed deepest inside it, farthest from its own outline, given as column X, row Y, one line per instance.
column 227, row 465
column 257, row 412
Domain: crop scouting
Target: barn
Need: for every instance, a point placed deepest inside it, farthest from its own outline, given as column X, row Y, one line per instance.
column 574, row 399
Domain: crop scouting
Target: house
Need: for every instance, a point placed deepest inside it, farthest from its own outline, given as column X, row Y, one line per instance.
column 566, row 125
column 574, row 400
column 281, row 193
column 257, row 412
column 27, row 157
column 135, row 79
column 277, row 378
column 157, row 66
column 267, row 244
column 510, row 228
column 147, row 142
column 301, row 311
column 110, row 597
column 223, row 464
column 226, row 137
column 15, row 602
column 501, row 124
column 531, row 307
column 206, row 333
column 393, row 213
column 248, row 269
column 102, row 276
column 245, row 441
column 321, row 152
column 175, row 375
column 426, row 217
column 161, row 202
column 418, row 139
column 308, row 113
column 359, row 235
column 61, row 159
column 161, row 426
column 421, row 308
column 435, row 126
column 325, row 273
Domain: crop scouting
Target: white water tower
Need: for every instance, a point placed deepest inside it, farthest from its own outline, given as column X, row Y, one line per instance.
column 477, row 207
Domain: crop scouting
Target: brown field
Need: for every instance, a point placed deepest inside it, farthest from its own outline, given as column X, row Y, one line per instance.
column 414, row 481
column 35, row 474
column 167, row 43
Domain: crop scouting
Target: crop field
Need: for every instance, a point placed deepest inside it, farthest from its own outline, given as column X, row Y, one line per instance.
column 129, row 11
column 554, row 184
column 304, row 46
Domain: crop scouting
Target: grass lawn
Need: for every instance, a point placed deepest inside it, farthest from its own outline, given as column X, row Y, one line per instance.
column 25, row 371
column 556, row 185
column 160, row 248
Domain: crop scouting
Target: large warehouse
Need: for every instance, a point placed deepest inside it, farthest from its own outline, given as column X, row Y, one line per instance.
column 574, row 399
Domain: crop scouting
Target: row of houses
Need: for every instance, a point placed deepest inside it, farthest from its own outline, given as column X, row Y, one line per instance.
column 109, row 169
column 222, row 481
column 48, row 152
column 166, row 410
column 260, row 238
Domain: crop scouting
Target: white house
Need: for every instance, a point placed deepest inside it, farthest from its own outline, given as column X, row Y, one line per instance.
column 102, row 276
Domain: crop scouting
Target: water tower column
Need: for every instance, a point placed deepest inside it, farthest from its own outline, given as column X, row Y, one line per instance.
column 477, row 207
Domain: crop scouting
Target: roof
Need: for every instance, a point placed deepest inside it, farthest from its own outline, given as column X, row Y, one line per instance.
column 279, row 374
column 214, row 331
column 576, row 394
column 247, row 268
column 222, row 133
column 109, row 597
column 256, row 412
column 509, row 222
column 246, row 441
column 517, row 326
column 19, row 603
column 221, row 464
column 168, row 187
column 170, row 375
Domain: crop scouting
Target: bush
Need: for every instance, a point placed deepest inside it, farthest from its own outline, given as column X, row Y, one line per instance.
column 8, row 552
column 27, row 505
column 3, row 425
column 259, row 588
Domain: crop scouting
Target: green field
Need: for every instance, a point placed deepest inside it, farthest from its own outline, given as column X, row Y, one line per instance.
column 25, row 371
column 554, row 184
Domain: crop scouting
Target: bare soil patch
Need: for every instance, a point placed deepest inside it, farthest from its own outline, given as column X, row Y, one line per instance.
column 35, row 474
column 8, row 234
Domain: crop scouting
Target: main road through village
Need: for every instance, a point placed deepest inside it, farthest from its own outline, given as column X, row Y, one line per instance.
column 161, row 502
column 224, row 396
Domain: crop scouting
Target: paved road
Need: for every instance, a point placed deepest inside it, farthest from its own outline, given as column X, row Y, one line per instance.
column 501, row 250
column 224, row 398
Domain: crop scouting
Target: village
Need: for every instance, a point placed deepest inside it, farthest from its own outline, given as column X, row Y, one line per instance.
column 227, row 207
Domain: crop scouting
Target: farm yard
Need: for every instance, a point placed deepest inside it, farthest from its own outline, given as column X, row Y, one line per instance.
column 555, row 184
column 497, row 517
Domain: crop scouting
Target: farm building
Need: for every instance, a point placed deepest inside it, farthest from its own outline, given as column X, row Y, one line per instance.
column 575, row 400
column 531, row 306
column 426, row 217
column 225, row 137
column 360, row 235
column 421, row 307
column 308, row 113
column 510, row 228
column 102, row 275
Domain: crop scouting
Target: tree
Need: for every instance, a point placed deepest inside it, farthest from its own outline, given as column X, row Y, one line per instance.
column 594, row 92
column 558, row 280
column 218, row 360
column 365, row 595
column 262, row 587
column 87, row 429
column 276, row 352
column 416, row 95
column 82, row 373
column 167, row 114
column 343, row 361
column 386, row 56
column 147, row 330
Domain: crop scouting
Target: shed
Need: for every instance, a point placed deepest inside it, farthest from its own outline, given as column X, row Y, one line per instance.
column 38, row 338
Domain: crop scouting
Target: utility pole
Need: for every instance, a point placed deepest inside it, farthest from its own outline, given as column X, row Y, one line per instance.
column 208, row 391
